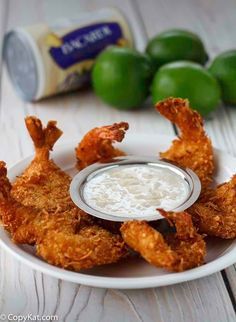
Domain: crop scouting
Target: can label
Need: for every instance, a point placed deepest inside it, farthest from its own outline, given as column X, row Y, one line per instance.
column 63, row 53
column 84, row 43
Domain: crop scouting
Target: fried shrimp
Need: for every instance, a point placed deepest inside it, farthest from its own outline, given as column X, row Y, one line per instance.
column 97, row 144
column 177, row 252
column 193, row 149
column 58, row 237
column 92, row 246
column 215, row 212
column 43, row 184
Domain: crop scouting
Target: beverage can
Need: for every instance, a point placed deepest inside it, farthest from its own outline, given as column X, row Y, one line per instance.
column 45, row 60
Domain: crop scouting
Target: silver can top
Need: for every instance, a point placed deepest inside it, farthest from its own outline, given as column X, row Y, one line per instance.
column 21, row 64
column 82, row 179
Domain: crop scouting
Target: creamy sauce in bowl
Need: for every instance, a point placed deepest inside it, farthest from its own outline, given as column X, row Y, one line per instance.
column 133, row 187
column 135, row 190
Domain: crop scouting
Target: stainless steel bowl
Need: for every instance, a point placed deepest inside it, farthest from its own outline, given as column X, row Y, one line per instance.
column 83, row 177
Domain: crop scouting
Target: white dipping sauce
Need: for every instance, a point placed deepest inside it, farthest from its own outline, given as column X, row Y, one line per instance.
column 135, row 190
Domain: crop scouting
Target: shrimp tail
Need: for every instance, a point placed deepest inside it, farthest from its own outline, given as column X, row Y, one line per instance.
column 178, row 111
column 43, row 138
column 115, row 132
column 183, row 223
column 97, row 144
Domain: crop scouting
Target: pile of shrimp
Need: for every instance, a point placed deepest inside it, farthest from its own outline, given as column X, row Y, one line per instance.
column 36, row 208
column 214, row 214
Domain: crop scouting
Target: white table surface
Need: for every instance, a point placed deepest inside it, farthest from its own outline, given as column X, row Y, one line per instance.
column 23, row 290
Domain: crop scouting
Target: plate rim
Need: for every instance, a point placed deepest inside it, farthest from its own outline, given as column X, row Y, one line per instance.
column 142, row 282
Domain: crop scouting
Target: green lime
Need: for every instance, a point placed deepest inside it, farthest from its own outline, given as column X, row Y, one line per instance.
column 174, row 45
column 121, row 77
column 223, row 68
column 187, row 80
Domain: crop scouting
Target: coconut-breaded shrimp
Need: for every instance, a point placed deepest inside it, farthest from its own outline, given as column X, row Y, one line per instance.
column 58, row 237
column 43, row 184
column 97, row 144
column 177, row 252
column 92, row 246
column 215, row 212
column 193, row 149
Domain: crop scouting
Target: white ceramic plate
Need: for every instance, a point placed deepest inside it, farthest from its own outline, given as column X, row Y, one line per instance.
column 136, row 273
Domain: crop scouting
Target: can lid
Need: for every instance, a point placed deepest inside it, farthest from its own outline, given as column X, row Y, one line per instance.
column 21, row 64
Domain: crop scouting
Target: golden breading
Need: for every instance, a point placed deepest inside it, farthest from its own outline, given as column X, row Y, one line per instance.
column 38, row 209
column 43, row 184
column 97, row 144
column 215, row 212
column 58, row 237
column 193, row 149
column 92, row 246
column 177, row 252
